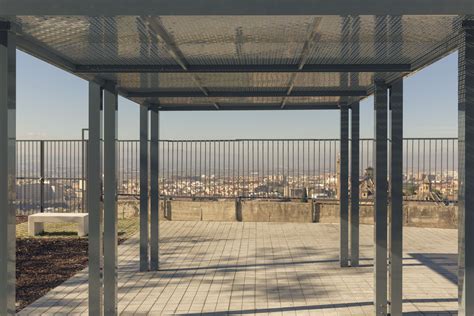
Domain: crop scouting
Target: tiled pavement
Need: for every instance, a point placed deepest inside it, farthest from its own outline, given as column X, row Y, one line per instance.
column 211, row 268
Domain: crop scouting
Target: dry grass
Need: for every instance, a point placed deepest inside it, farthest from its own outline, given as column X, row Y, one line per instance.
column 126, row 228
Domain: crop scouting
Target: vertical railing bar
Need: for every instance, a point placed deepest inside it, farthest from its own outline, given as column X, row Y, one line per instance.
column 429, row 159
column 72, row 160
column 252, row 173
column 442, row 156
column 418, row 158
column 288, row 168
column 324, row 166
column 209, row 169
column 62, row 171
column 436, row 163
column 302, row 163
column 412, row 165
column 447, row 165
column 57, row 166
column 455, row 142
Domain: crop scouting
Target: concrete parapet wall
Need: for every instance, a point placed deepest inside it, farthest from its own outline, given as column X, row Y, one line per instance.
column 429, row 215
column 219, row 211
column 417, row 214
column 130, row 208
column 263, row 211
column 328, row 212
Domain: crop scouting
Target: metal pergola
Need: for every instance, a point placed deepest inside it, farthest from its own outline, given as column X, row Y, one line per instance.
column 217, row 55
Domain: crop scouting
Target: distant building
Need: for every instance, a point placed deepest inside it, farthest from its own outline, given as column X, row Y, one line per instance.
column 427, row 193
column 30, row 195
column 367, row 185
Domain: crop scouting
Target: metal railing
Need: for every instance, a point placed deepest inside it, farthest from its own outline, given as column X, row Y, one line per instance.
column 249, row 168
column 51, row 173
column 430, row 169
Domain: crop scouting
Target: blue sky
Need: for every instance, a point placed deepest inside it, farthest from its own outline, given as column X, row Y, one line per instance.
column 52, row 104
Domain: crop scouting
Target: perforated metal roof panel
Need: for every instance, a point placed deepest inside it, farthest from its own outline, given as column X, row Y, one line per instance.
column 241, row 54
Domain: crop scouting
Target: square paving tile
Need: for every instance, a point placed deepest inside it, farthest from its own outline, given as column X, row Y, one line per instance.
column 212, row 268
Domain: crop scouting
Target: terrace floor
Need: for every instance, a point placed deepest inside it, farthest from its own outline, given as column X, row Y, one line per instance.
column 211, row 268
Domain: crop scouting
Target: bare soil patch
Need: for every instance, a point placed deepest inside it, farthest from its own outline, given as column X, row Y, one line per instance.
column 44, row 263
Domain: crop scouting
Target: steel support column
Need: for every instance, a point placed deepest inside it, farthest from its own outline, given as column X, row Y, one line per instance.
column 380, row 207
column 396, row 206
column 343, row 187
column 94, row 207
column 110, row 202
column 155, row 192
column 466, row 171
column 144, row 245
column 7, row 170
column 354, row 231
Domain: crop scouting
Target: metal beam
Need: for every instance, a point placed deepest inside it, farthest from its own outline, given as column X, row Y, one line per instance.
column 343, row 187
column 354, row 231
column 144, row 223
column 466, row 171
column 312, row 38
column 396, row 206
column 245, row 107
column 156, row 28
column 332, row 67
column 7, row 171
column 247, row 94
column 380, row 206
column 155, row 191
column 94, row 207
column 45, row 54
column 230, row 7
column 110, row 202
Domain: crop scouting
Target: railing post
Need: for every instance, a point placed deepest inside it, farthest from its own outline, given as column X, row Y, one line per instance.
column 42, row 176
column 84, row 148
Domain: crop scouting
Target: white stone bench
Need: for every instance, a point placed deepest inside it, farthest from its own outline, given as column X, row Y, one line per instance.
column 36, row 222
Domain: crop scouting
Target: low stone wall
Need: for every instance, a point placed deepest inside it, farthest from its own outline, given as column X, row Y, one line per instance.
column 417, row 214
column 131, row 208
column 328, row 212
column 219, row 211
column 263, row 211
column 428, row 215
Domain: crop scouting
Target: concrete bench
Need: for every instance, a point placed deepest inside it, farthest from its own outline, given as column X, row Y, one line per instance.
column 36, row 222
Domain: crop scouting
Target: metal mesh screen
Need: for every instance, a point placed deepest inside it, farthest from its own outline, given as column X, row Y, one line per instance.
column 184, row 41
